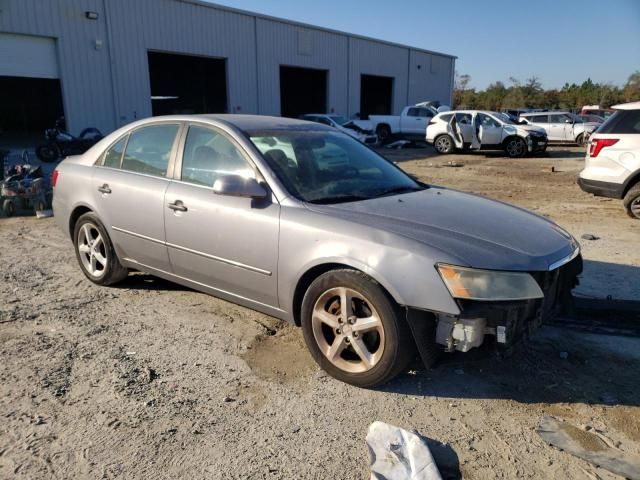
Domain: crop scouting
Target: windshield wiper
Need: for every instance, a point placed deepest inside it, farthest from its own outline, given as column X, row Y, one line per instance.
column 338, row 199
column 398, row 190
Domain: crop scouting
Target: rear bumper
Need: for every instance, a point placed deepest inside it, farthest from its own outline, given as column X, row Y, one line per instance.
column 601, row 189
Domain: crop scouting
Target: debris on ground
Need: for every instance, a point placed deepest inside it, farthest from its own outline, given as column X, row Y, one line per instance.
column 588, row 446
column 589, row 236
column 398, row 144
column 453, row 164
column 396, row 454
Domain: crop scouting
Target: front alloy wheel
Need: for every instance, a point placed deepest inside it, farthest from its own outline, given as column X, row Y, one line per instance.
column 354, row 330
column 516, row 147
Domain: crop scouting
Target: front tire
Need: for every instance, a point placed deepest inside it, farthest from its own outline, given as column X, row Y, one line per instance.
column 631, row 202
column 515, row 147
column 444, row 144
column 354, row 330
column 95, row 253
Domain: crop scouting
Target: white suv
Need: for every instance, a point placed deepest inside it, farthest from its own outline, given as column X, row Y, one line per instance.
column 612, row 165
column 561, row 126
column 480, row 130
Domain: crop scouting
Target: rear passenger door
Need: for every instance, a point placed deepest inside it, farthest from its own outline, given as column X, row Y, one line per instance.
column 560, row 127
column 130, row 182
column 223, row 242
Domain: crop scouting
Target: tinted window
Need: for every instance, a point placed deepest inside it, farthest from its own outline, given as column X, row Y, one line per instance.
column 413, row 112
column 113, row 156
column 447, row 117
column 559, row 118
column 209, row 154
column 538, row 118
column 149, row 149
column 463, row 118
column 622, row 121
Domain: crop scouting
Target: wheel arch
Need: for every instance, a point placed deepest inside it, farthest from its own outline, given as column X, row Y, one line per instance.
column 76, row 213
column 511, row 137
column 314, row 271
column 633, row 179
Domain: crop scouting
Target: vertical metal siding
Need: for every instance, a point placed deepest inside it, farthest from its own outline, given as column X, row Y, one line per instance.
column 278, row 44
column 377, row 58
column 84, row 71
column 432, row 81
column 182, row 28
column 109, row 86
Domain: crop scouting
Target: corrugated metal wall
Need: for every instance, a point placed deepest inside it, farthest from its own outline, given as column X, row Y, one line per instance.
column 84, row 70
column 105, row 73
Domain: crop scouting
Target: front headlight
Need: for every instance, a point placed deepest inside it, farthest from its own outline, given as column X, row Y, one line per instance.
column 488, row 285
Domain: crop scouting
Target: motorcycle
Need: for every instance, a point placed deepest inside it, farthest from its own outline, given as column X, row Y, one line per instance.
column 61, row 143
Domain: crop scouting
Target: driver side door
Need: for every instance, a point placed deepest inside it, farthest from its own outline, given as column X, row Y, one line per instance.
column 226, row 243
column 489, row 131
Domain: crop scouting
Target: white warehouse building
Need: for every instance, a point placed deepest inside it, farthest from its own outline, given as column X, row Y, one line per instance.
column 105, row 63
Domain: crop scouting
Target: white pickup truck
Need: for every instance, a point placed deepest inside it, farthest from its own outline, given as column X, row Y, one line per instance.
column 411, row 123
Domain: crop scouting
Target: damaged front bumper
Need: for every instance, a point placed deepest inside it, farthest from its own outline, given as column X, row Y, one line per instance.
column 537, row 143
column 508, row 322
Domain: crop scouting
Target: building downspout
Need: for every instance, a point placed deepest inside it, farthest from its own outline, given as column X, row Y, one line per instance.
column 114, row 94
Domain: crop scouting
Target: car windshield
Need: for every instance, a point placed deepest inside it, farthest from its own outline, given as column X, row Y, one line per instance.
column 338, row 119
column 329, row 167
column 504, row 118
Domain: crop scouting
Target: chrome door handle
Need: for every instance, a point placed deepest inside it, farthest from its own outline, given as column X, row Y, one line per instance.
column 104, row 188
column 177, row 206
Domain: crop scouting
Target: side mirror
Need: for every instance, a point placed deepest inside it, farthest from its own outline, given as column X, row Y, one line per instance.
column 568, row 120
column 239, row 186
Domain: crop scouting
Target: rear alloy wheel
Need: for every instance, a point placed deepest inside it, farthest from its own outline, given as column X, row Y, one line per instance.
column 95, row 253
column 632, row 202
column 515, row 147
column 443, row 144
column 580, row 140
column 353, row 330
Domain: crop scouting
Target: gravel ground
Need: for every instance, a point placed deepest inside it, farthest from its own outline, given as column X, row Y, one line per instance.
column 152, row 380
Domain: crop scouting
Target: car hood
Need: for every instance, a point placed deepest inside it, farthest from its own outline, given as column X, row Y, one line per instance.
column 527, row 128
column 478, row 232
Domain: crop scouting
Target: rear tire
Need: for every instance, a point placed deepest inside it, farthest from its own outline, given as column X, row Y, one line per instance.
column 515, row 147
column 9, row 208
column 631, row 202
column 95, row 253
column 580, row 140
column 384, row 133
column 444, row 144
column 368, row 348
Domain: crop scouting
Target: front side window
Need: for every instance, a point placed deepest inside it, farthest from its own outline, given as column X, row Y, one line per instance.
column 209, row 154
column 487, row 121
column 113, row 156
column 149, row 149
column 329, row 167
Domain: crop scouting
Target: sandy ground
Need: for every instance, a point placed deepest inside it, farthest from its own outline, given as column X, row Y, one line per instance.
column 151, row 380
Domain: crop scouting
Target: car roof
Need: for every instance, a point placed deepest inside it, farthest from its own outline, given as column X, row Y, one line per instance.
column 488, row 112
column 247, row 123
column 627, row 106
column 549, row 112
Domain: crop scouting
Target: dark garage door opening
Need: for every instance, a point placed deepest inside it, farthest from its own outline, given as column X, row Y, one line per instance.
column 185, row 84
column 302, row 90
column 29, row 104
column 376, row 95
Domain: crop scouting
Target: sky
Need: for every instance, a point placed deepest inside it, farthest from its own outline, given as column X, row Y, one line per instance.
column 556, row 40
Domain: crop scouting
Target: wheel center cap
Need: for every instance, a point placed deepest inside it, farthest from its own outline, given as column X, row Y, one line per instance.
column 347, row 329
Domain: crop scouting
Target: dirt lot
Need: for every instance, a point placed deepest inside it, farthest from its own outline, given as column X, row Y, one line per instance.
column 151, row 380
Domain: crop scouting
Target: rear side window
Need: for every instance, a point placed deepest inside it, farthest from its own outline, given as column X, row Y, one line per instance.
column 623, row 121
column 559, row 118
column 149, row 149
column 113, row 156
column 538, row 118
column 447, row 117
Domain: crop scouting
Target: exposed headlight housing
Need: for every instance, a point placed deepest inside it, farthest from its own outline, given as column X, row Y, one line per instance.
column 488, row 285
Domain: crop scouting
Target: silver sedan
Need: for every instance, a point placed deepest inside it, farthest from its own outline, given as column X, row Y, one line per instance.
column 304, row 223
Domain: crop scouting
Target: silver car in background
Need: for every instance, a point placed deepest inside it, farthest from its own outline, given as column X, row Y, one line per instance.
column 370, row 262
